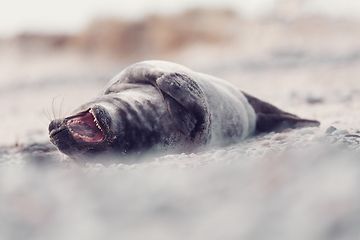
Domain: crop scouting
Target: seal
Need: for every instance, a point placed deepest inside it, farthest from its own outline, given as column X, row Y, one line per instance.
column 160, row 106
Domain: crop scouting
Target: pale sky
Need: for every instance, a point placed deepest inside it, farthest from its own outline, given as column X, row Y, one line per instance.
column 73, row 15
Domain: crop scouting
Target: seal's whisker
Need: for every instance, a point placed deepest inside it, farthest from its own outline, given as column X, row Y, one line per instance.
column 57, row 110
column 47, row 114
column 61, row 107
column 61, row 113
column 53, row 108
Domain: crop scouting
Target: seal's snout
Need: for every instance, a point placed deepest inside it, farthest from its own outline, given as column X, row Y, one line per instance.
column 56, row 127
column 55, row 124
column 61, row 137
column 77, row 134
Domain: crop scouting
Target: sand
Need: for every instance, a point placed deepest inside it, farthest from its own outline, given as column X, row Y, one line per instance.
column 298, row 184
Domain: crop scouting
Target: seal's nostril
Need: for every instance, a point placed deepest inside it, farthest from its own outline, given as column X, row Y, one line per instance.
column 55, row 124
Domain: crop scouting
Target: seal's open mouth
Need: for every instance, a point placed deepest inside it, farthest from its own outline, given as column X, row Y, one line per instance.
column 85, row 127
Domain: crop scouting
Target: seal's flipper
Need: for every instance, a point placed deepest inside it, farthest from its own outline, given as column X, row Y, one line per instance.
column 187, row 104
column 266, row 122
column 270, row 118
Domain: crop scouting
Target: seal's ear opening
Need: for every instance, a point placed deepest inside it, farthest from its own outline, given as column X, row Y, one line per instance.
column 270, row 118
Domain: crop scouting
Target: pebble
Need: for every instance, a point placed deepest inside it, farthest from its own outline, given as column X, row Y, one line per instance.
column 220, row 154
column 270, row 152
column 332, row 140
column 278, row 137
column 340, row 132
column 320, row 138
column 99, row 165
column 341, row 145
column 352, row 136
column 314, row 99
column 330, row 129
column 305, row 131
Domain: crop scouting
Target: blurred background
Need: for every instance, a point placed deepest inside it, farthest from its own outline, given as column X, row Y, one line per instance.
column 55, row 55
column 301, row 55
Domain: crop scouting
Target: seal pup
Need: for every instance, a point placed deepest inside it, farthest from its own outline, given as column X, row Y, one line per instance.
column 159, row 106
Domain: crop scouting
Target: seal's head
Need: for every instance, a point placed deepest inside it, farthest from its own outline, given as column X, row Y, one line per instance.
column 86, row 132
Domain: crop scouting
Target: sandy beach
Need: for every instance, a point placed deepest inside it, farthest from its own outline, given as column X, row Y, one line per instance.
column 298, row 184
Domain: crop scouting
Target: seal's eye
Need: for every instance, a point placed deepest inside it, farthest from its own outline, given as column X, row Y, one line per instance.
column 85, row 127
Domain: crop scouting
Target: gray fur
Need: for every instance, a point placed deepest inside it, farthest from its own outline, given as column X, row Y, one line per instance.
column 157, row 105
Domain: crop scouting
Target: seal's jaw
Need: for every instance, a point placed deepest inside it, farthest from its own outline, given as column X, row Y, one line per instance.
column 85, row 127
column 84, row 133
column 61, row 137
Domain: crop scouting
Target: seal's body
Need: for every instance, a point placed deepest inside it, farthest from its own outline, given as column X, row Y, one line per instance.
column 156, row 105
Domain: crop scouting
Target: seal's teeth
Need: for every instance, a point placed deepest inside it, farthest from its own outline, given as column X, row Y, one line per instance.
column 79, row 135
column 95, row 120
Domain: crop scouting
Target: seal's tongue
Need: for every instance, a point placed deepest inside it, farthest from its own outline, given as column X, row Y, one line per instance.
column 85, row 128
